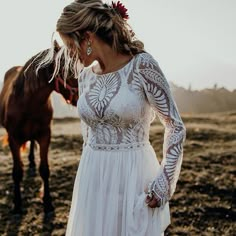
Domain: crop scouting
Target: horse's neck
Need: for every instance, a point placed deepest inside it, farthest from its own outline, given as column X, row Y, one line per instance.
column 34, row 85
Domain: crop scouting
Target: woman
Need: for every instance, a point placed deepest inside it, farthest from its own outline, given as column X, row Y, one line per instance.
column 120, row 188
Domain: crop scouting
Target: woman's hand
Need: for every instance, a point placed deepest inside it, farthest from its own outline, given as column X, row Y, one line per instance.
column 151, row 200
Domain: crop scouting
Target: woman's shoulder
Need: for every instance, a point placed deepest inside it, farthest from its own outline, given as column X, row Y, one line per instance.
column 146, row 56
column 86, row 77
column 82, row 79
column 84, row 74
column 145, row 60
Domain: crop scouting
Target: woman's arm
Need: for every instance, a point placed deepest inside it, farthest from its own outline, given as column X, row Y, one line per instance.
column 158, row 93
column 83, row 126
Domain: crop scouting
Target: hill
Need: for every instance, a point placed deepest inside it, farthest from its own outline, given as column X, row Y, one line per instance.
column 204, row 101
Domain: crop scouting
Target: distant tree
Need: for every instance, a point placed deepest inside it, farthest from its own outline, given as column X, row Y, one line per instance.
column 189, row 87
column 215, row 86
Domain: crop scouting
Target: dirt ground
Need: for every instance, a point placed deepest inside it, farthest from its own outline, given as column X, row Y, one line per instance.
column 203, row 201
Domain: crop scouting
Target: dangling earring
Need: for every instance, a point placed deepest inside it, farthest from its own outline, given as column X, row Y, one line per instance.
column 89, row 49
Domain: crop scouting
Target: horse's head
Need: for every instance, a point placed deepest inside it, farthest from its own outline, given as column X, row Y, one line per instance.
column 67, row 87
column 36, row 77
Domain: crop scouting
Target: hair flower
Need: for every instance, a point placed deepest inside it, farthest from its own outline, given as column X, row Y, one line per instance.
column 120, row 9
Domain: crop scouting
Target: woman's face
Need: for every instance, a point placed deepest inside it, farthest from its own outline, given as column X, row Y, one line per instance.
column 81, row 51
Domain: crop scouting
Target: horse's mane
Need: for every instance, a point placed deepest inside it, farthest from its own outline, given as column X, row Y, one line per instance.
column 28, row 81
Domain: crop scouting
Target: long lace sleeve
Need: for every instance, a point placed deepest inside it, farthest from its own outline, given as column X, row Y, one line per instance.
column 158, row 93
column 83, row 126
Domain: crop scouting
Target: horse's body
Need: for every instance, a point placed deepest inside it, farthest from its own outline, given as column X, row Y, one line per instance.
column 26, row 113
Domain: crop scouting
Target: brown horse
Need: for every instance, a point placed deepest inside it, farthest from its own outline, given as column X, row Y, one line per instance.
column 26, row 113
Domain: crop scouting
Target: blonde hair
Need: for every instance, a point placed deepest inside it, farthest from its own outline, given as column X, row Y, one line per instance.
column 99, row 18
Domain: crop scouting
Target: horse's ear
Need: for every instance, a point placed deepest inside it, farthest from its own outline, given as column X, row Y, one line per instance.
column 56, row 46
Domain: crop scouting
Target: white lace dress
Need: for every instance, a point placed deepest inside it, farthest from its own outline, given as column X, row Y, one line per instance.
column 118, row 161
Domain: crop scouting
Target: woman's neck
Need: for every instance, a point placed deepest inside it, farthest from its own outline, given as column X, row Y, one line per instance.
column 109, row 60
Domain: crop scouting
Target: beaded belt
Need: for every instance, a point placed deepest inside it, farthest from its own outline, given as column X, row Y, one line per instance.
column 116, row 147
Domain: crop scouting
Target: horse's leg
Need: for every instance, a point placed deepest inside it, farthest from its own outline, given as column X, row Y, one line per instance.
column 44, row 142
column 31, row 155
column 17, row 173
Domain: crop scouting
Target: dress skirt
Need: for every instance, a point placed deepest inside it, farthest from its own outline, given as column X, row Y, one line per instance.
column 108, row 196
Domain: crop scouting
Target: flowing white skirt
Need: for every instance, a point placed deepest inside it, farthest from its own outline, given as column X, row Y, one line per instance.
column 108, row 197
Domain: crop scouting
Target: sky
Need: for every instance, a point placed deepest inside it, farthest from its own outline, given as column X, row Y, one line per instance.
column 192, row 40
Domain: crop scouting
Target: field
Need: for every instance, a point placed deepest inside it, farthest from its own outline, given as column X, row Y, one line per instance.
column 203, row 201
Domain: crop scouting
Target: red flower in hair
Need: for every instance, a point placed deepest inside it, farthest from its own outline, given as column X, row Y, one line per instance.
column 120, row 8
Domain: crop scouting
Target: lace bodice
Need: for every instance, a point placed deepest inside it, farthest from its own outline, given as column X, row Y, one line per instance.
column 116, row 110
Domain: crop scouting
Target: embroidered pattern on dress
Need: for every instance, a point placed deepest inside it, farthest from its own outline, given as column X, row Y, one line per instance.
column 102, row 92
column 143, row 87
